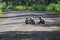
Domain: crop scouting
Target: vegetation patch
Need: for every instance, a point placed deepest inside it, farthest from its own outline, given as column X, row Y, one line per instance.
column 20, row 7
column 51, row 7
column 57, row 7
column 0, row 11
column 34, row 5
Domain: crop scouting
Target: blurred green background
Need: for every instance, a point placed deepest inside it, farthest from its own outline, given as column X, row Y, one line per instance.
column 33, row 5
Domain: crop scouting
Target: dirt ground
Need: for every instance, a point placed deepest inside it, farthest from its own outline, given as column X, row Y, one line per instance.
column 15, row 21
column 13, row 27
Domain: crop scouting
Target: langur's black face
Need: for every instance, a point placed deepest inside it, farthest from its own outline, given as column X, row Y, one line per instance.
column 26, row 18
column 40, row 17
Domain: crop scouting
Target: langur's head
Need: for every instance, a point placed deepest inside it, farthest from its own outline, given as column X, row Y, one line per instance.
column 39, row 17
column 26, row 18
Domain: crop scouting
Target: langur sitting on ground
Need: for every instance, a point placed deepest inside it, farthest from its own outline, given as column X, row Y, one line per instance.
column 41, row 21
column 29, row 21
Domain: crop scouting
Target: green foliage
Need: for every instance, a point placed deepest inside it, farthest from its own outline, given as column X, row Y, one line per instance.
column 57, row 7
column 58, row 2
column 0, row 0
column 8, row 7
column 51, row 7
column 4, row 7
column 20, row 7
column 1, row 6
column 30, row 8
column 39, row 5
column 43, row 8
column 36, row 7
column 24, row 2
column 0, row 11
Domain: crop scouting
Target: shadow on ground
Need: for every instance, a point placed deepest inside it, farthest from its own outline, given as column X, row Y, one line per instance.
column 19, row 35
column 50, row 24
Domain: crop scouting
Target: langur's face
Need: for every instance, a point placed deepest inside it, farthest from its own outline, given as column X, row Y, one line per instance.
column 40, row 17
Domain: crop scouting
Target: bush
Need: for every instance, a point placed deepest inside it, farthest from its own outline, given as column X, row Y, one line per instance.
column 36, row 7
column 30, row 8
column 0, row 11
column 8, row 7
column 20, row 7
column 1, row 7
column 43, row 8
column 51, row 7
column 57, row 7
